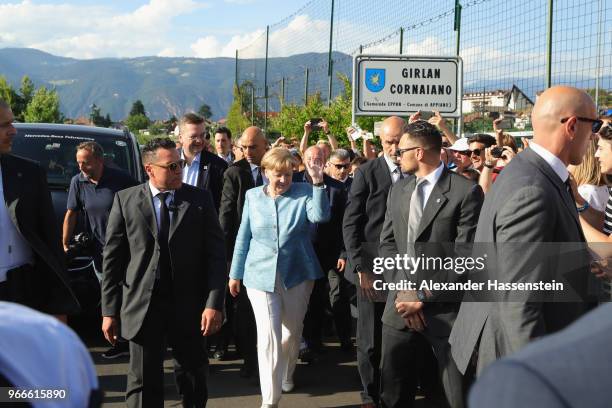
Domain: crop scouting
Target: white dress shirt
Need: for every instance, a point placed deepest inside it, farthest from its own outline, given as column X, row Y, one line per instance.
column 394, row 169
column 254, row 171
column 557, row 165
column 157, row 202
column 432, row 178
column 14, row 250
column 191, row 171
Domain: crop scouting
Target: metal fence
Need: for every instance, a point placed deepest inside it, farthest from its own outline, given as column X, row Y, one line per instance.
column 527, row 43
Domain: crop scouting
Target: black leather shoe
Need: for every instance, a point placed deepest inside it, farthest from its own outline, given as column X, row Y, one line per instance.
column 220, row 355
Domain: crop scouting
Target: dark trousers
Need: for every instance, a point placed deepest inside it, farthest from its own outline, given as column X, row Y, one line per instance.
column 315, row 315
column 245, row 330
column 409, row 358
column 369, row 342
column 145, row 379
column 340, row 293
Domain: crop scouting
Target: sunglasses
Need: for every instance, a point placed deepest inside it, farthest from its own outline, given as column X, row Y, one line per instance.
column 474, row 152
column 595, row 123
column 341, row 166
column 174, row 167
column 399, row 152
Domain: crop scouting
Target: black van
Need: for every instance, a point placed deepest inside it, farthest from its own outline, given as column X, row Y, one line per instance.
column 53, row 146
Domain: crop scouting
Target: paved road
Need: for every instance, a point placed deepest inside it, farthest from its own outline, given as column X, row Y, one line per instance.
column 332, row 381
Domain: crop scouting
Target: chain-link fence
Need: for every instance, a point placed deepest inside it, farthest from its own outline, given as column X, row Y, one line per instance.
column 525, row 44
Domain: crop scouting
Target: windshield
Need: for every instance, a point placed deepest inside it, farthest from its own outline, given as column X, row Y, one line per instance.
column 55, row 151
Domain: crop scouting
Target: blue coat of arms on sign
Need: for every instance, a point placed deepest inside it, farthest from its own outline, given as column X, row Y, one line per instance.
column 375, row 79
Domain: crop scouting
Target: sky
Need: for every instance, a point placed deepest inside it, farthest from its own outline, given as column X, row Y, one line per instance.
column 88, row 29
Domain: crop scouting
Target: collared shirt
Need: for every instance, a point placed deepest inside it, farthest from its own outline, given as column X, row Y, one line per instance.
column 157, row 202
column 14, row 250
column 254, row 171
column 229, row 158
column 557, row 165
column 394, row 169
column 432, row 178
column 191, row 171
column 97, row 199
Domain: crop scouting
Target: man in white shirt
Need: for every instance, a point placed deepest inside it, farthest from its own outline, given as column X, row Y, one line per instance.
column 223, row 144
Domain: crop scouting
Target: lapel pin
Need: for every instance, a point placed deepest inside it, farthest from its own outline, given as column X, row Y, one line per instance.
column 18, row 174
column 438, row 200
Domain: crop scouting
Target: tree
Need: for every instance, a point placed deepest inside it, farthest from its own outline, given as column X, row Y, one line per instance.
column 107, row 120
column 137, row 122
column 23, row 99
column 205, row 111
column 44, row 107
column 236, row 119
column 137, row 109
column 7, row 93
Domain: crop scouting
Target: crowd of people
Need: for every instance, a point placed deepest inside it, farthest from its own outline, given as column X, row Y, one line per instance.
column 238, row 240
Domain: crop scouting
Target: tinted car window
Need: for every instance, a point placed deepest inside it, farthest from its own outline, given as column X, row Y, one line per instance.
column 56, row 152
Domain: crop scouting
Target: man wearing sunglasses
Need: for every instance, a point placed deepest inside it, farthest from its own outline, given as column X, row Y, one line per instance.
column 477, row 145
column 165, row 257
column 531, row 202
column 433, row 205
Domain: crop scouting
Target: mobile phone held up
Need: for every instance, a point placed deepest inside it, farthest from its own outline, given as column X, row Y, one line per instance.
column 314, row 122
column 426, row 115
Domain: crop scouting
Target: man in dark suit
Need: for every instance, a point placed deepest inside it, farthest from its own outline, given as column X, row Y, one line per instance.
column 363, row 221
column 433, row 206
column 341, row 291
column 327, row 243
column 239, row 177
column 164, row 263
column 530, row 202
column 31, row 256
column 202, row 168
column 570, row 369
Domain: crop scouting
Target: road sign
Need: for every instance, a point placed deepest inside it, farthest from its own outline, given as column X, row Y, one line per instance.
column 385, row 85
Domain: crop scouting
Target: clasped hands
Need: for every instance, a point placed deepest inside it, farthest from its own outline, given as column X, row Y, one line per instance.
column 410, row 308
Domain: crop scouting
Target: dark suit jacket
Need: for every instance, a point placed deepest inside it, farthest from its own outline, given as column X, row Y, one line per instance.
column 450, row 215
column 327, row 241
column 569, row 369
column 131, row 256
column 28, row 200
column 210, row 176
column 365, row 212
column 528, row 203
column 237, row 179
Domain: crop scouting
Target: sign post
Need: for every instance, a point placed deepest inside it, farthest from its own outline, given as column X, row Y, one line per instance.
column 386, row 85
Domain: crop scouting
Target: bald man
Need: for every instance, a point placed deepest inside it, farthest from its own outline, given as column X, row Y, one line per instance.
column 237, row 179
column 363, row 221
column 530, row 203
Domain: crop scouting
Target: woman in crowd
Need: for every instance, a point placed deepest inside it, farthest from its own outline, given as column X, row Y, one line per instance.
column 275, row 260
column 589, row 179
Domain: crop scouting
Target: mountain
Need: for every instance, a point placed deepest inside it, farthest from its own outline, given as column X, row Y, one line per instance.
column 173, row 86
column 166, row 86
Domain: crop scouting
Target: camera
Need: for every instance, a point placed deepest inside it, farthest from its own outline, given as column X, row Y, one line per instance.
column 497, row 152
column 80, row 245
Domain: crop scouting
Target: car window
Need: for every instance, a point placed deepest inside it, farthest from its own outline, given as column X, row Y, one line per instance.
column 56, row 152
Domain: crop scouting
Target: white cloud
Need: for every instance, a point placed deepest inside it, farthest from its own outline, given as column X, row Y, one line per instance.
column 84, row 31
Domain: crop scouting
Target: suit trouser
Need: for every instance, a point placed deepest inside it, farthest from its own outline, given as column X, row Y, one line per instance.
column 369, row 341
column 315, row 314
column 279, row 316
column 145, row 379
column 245, row 331
column 407, row 358
column 340, row 293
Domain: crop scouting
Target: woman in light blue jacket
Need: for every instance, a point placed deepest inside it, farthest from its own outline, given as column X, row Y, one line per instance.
column 274, row 257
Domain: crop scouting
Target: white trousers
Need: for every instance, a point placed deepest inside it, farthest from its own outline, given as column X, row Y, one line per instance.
column 279, row 317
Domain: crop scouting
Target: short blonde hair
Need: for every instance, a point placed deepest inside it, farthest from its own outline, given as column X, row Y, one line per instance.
column 278, row 159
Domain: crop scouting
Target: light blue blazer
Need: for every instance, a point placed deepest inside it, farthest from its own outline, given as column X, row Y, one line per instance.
column 274, row 237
